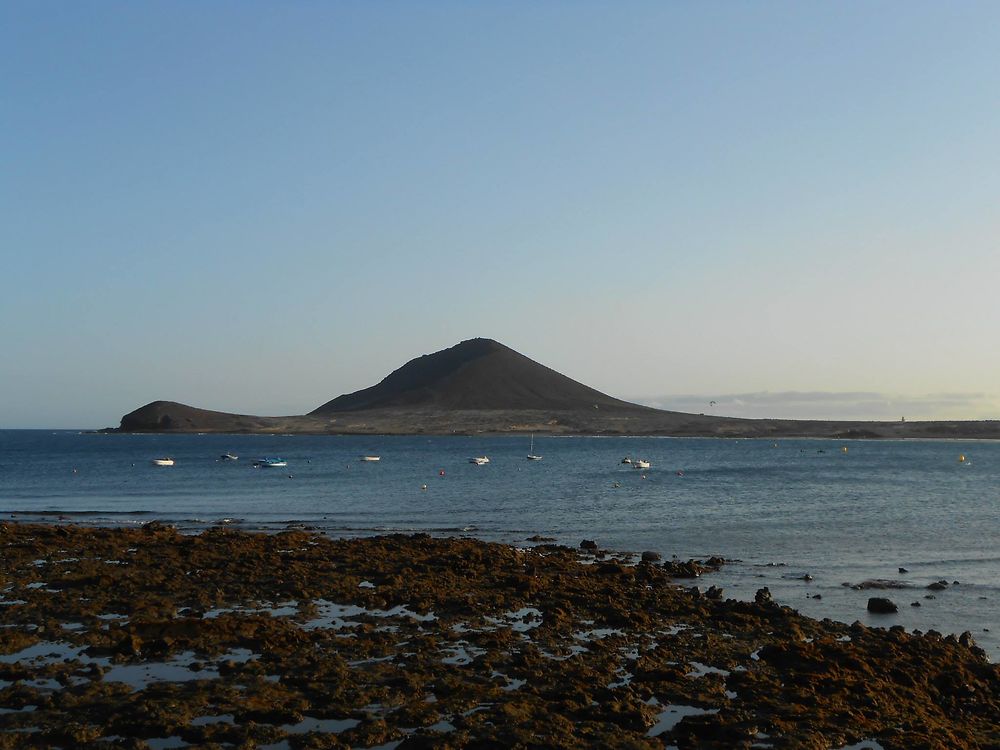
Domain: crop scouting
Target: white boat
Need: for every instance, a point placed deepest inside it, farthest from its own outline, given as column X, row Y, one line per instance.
column 163, row 462
column 371, row 458
column 479, row 460
column 626, row 460
column 640, row 464
column 228, row 457
column 531, row 451
column 270, row 463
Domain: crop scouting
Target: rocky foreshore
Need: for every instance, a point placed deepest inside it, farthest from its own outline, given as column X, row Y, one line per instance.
column 151, row 638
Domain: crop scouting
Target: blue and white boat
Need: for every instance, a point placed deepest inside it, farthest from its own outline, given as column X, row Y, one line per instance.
column 270, row 463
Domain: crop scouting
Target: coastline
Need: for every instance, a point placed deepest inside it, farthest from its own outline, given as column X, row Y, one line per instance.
column 446, row 642
column 168, row 417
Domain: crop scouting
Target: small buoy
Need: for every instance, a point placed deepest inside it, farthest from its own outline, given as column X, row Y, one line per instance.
column 680, row 473
column 643, row 476
column 423, row 486
column 961, row 458
column 75, row 470
column 441, row 473
column 844, row 449
column 289, row 476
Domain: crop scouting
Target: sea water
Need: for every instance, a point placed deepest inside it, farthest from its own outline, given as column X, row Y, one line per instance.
column 838, row 512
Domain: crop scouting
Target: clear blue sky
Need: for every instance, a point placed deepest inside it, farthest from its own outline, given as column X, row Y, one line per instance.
column 255, row 206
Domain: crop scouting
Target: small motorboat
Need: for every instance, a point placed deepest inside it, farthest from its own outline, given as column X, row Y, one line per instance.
column 626, row 460
column 479, row 460
column 270, row 463
column 371, row 458
column 163, row 462
column 640, row 464
column 228, row 457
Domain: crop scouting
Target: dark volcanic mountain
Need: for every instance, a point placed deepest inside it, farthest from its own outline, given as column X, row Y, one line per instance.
column 481, row 386
column 478, row 374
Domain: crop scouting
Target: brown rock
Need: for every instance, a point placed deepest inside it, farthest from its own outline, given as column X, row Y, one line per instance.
column 879, row 605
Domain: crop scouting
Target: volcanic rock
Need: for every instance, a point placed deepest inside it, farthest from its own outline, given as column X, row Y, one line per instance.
column 293, row 637
column 881, row 606
column 481, row 386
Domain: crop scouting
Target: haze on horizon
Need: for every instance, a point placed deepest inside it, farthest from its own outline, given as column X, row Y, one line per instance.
column 788, row 209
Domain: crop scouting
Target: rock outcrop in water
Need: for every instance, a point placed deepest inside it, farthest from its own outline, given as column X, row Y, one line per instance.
column 482, row 386
column 116, row 638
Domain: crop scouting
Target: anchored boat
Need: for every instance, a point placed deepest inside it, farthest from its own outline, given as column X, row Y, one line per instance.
column 531, row 451
column 270, row 463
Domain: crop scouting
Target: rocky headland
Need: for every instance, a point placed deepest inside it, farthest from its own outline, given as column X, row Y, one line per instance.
column 481, row 386
column 152, row 638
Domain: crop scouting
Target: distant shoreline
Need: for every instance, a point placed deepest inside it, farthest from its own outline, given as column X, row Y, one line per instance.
column 519, row 434
column 170, row 418
column 481, row 387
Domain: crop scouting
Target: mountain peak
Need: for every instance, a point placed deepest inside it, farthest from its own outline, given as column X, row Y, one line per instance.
column 476, row 374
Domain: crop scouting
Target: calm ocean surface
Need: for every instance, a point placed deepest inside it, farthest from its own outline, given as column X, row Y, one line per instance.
column 782, row 510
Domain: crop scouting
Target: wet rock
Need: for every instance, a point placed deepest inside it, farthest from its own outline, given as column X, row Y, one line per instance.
column 682, row 569
column 881, row 606
column 540, row 538
column 915, row 604
column 651, row 556
column 692, row 568
column 540, row 649
column 938, row 585
column 763, row 596
column 131, row 645
column 588, row 544
column 880, row 583
column 614, row 568
column 903, row 570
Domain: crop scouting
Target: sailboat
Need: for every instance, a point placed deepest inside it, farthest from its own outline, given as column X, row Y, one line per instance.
column 531, row 450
